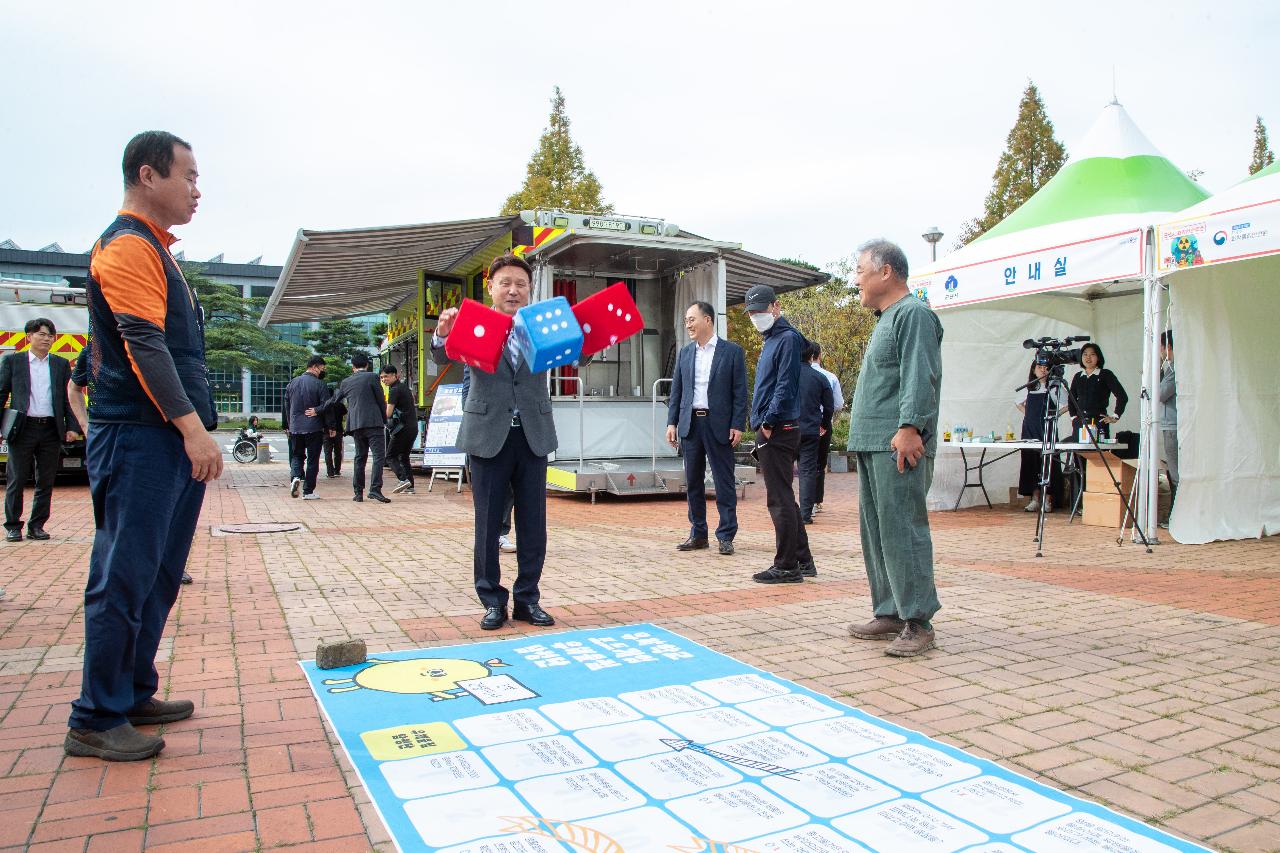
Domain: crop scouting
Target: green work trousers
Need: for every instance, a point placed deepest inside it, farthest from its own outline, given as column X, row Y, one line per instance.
column 896, row 545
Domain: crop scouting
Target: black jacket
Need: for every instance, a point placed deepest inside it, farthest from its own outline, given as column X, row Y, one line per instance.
column 1093, row 393
column 366, row 403
column 15, row 388
column 817, row 401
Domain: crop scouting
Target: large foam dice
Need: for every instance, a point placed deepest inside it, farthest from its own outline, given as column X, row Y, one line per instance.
column 478, row 336
column 607, row 317
column 547, row 334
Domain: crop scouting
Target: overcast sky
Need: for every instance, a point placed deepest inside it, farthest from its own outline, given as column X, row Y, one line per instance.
column 797, row 129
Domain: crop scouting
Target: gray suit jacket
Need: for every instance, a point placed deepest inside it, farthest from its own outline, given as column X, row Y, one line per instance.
column 490, row 402
column 366, row 403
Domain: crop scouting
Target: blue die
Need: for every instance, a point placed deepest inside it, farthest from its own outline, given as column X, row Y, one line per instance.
column 547, row 334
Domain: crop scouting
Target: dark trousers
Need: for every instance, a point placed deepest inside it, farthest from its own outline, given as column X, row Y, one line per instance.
column 38, row 443
column 777, row 465
column 824, row 455
column 505, row 528
column 518, row 470
column 398, row 454
column 698, row 448
column 304, row 458
column 145, row 508
column 810, row 467
column 368, row 439
column 333, row 454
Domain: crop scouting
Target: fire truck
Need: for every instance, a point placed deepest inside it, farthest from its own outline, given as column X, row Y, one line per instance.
column 67, row 307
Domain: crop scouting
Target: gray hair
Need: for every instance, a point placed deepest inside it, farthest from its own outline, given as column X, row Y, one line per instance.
column 883, row 253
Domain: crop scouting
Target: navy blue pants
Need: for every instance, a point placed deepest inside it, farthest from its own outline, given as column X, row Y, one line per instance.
column 700, row 447
column 145, row 508
column 515, row 470
column 304, row 458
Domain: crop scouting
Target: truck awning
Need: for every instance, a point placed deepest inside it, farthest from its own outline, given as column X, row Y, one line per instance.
column 347, row 273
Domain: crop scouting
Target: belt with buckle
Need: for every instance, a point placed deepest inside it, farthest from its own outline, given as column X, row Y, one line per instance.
column 515, row 421
column 701, row 413
column 45, row 420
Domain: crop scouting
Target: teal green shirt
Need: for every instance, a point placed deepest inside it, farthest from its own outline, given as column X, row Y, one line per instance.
column 901, row 378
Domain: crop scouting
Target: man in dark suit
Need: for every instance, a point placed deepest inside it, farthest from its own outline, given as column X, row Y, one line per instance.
column 508, row 431
column 366, row 403
column 707, row 412
column 34, row 383
column 817, row 407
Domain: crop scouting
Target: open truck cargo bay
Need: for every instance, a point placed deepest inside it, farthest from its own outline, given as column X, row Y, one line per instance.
column 611, row 413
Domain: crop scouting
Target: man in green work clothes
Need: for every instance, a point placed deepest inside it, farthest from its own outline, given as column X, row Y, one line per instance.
column 894, row 430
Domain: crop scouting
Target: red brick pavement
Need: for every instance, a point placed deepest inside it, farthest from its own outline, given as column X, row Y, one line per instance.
column 1147, row 682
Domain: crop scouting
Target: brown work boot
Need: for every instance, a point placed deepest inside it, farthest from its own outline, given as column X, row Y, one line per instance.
column 879, row 628
column 156, row 711
column 914, row 640
column 123, row 743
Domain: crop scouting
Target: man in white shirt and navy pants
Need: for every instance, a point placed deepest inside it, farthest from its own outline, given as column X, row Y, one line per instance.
column 707, row 412
column 35, row 383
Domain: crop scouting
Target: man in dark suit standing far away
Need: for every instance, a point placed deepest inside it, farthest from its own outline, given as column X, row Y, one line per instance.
column 508, row 431
column 34, row 383
column 366, row 403
column 706, row 412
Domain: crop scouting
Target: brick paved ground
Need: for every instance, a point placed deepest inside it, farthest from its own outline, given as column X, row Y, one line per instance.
column 1150, row 683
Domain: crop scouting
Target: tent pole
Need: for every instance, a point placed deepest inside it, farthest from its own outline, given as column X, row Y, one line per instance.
column 1148, row 470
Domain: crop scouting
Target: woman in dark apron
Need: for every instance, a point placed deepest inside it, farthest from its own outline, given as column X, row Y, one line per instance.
column 1032, row 404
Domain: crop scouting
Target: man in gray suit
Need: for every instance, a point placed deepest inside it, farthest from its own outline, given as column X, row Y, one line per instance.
column 366, row 403
column 508, row 431
column 34, row 383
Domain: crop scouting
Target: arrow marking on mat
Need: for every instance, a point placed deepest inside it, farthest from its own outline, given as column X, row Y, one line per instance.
column 763, row 766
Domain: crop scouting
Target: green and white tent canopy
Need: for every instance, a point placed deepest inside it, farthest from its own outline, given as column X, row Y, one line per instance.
column 1083, row 231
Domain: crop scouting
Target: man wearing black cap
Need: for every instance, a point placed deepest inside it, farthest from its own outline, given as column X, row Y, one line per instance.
column 775, row 418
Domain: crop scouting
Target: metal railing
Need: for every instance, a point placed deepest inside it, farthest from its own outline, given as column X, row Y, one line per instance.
column 654, row 419
column 582, row 431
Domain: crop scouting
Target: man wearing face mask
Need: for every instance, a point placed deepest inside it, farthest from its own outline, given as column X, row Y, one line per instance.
column 775, row 416
column 306, row 432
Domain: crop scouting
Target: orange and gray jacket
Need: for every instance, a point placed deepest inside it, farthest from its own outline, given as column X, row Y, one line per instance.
column 146, row 330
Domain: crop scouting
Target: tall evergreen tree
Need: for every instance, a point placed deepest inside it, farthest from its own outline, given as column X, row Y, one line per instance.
column 1262, row 156
column 557, row 175
column 1032, row 156
column 337, row 341
column 232, row 337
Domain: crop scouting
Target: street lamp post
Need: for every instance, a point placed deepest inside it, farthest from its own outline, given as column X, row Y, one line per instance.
column 932, row 236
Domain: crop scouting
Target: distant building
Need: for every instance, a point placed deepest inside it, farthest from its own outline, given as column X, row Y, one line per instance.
column 234, row 394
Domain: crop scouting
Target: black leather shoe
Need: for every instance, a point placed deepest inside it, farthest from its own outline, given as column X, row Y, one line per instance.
column 807, row 519
column 13, row 536
column 123, row 743
column 494, row 618
column 379, row 497
column 808, row 570
column 533, row 614
column 187, row 580
column 37, row 533
column 693, row 543
column 358, row 499
column 773, row 574
column 157, row 711
column 726, row 547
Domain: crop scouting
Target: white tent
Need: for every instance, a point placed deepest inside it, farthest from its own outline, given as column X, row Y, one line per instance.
column 1073, row 259
column 1221, row 261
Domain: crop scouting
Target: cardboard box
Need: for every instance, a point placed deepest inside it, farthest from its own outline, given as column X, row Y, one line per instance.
column 1102, row 509
column 1098, row 480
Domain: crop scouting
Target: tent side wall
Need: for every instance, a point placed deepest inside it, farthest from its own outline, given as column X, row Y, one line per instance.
column 1226, row 354
column 983, row 361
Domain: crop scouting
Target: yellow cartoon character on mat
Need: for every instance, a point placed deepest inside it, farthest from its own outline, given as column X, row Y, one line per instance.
column 435, row 677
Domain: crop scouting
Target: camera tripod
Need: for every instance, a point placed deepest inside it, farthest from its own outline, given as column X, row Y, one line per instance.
column 1049, row 451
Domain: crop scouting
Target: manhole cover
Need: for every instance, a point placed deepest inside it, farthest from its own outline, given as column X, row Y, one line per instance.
column 278, row 527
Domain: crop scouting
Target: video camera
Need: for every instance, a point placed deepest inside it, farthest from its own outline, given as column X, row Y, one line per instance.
column 1053, row 352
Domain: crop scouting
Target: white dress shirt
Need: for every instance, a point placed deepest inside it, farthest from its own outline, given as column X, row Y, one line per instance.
column 703, row 354
column 41, row 403
column 838, row 401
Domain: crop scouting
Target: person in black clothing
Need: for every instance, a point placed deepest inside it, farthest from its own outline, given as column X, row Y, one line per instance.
column 306, row 433
column 1093, row 387
column 817, row 407
column 332, row 418
column 366, row 403
column 1032, row 402
column 402, row 427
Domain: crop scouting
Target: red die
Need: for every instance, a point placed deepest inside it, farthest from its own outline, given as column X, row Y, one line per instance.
column 607, row 317
column 478, row 336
